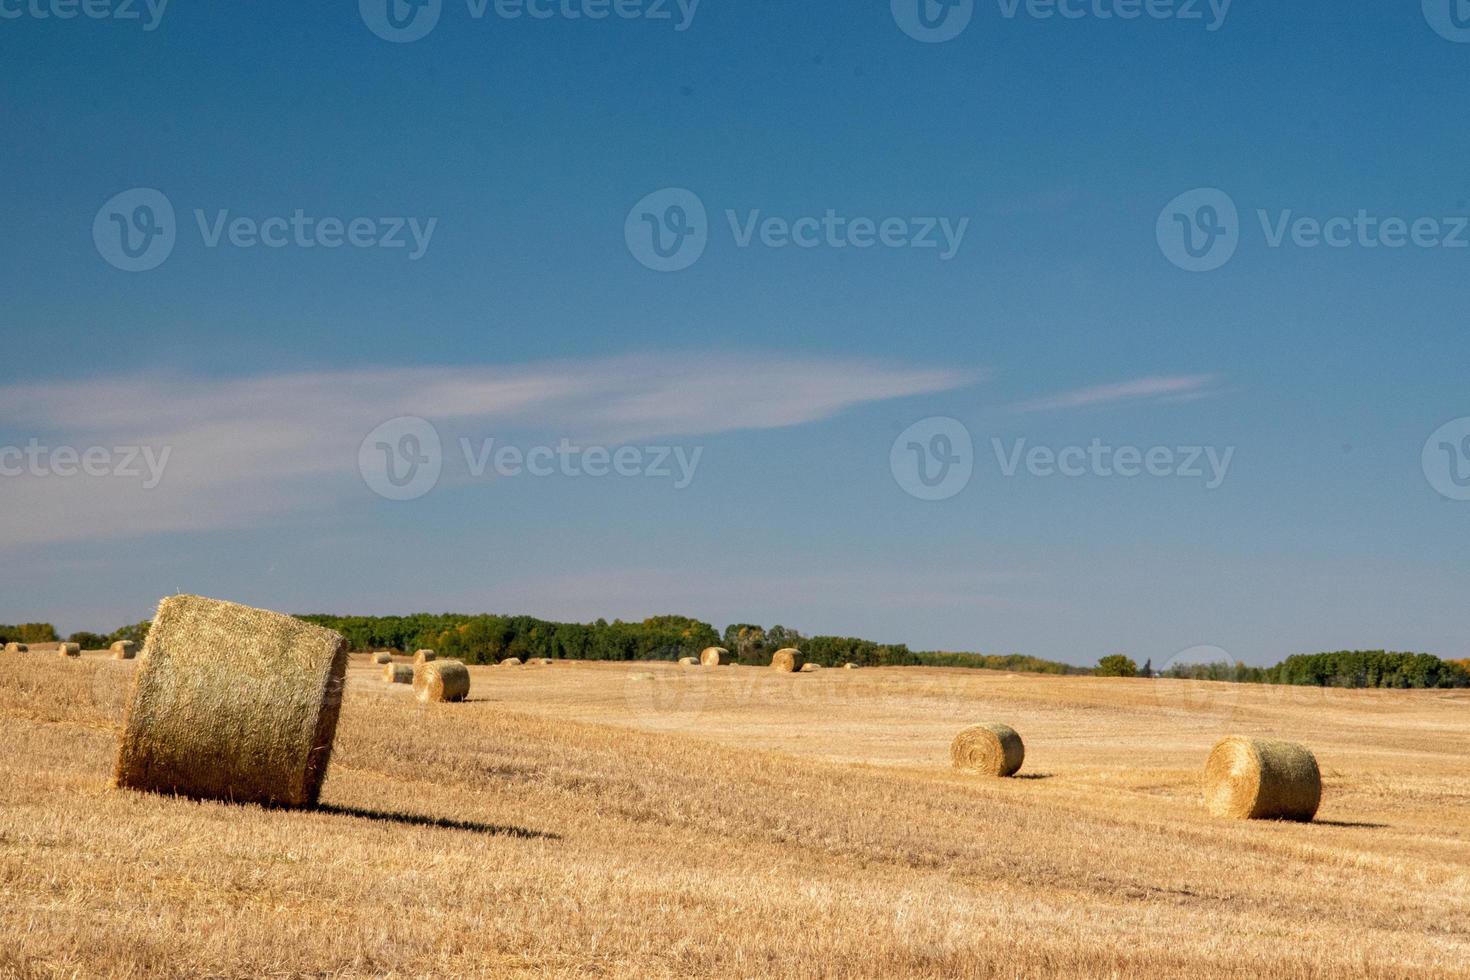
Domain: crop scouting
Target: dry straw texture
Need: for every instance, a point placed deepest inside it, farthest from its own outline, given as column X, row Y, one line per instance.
column 232, row 703
column 1262, row 779
column 124, row 650
column 989, row 749
column 787, row 660
column 442, row 680
column 398, row 673
column 16, row 648
column 714, row 656
column 511, row 662
column 69, row 649
column 382, row 657
column 423, row 657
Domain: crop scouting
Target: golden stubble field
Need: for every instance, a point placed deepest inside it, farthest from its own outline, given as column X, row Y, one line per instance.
column 650, row 820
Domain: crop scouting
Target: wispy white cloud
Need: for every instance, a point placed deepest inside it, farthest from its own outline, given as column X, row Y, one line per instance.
column 1186, row 387
column 246, row 451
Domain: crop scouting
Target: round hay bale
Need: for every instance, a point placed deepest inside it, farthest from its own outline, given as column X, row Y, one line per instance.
column 424, row 656
column 511, row 662
column 714, row 656
column 687, row 661
column 441, row 680
column 849, row 666
column 69, row 649
column 1262, row 779
column 124, row 650
column 16, row 648
column 398, row 673
column 232, row 703
column 541, row 661
column 788, row 660
column 382, row 657
column 808, row 668
column 990, row 749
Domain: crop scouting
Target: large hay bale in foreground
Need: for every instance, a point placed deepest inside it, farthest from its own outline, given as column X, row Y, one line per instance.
column 424, row 656
column 1262, row 779
column 788, row 660
column 124, row 650
column 69, row 649
column 382, row 657
column 714, row 656
column 16, row 648
column 511, row 662
column 232, row 703
column 990, row 749
column 398, row 673
column 441, row 680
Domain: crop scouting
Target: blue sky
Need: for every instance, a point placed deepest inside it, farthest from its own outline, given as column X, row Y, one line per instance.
column 529, row 318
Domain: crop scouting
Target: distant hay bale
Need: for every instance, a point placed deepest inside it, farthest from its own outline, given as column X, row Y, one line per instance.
column 989, row 749
column 69, row 649
column 1262, row 779
column 511, row 662
column 788, row 660
column 16, row 648
column 687, row 661
column 541, row 661
column 382, row 657
column 232, row 703
column 441, row 680
column 714, row 656
column 398, row 673
column 808, row 668
column 849, row 666
column 424, row 656
column 124, row 650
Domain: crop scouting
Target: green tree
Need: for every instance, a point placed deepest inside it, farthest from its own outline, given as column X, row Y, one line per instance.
column 1116, row 665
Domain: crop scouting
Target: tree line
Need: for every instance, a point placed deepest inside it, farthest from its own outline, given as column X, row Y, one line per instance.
column 1342, row 668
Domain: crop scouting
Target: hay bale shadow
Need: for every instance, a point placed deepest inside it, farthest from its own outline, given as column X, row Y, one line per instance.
column 445, row 823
